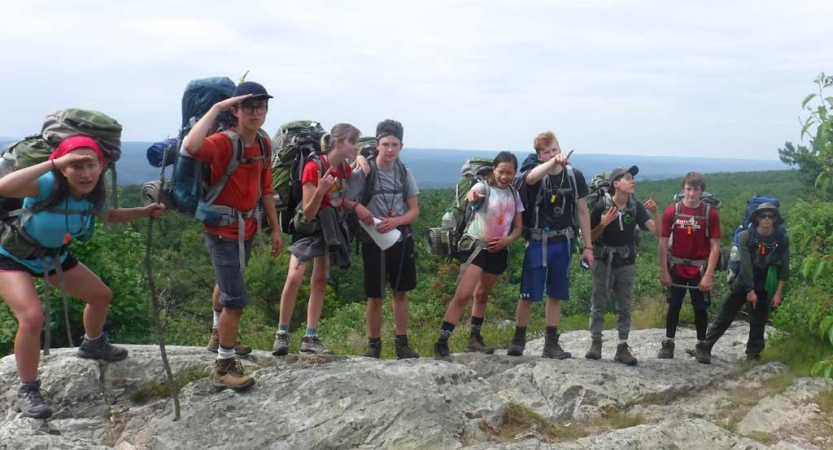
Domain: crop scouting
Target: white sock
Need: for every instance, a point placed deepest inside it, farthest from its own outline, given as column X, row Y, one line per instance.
column 217, row 318
column 89, row 338
column 225, row 353
column 670, row 339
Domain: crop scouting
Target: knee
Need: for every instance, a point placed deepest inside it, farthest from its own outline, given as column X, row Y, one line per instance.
column 31, row 320
column 481, row 297
column 374, row 305
column 294, row 279
column 318, row 281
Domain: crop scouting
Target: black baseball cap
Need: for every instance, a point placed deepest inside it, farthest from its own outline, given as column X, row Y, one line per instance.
column 619, row 171
column 250, row 87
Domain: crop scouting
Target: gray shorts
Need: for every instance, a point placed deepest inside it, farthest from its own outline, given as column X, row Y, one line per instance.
column 225, row 258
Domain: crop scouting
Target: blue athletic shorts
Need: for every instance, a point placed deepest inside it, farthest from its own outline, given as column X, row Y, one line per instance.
column 556, row 275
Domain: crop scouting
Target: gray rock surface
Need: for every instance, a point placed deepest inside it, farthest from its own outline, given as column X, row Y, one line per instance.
column 337, row 402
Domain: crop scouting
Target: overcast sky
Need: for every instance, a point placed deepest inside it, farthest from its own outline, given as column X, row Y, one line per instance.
column 721, row 79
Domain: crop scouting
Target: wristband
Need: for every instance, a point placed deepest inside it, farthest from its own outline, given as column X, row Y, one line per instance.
column 588, row 248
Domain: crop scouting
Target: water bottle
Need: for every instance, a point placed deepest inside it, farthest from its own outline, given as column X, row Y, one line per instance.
column 734, row 254
column 448, row 222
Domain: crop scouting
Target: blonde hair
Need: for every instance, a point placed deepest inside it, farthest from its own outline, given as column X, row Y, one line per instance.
column 340, row 132
column 544, row 140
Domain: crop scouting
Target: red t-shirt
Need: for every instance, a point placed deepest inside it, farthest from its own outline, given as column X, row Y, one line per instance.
column 336, row 195
column 241, row 190
column 691, row 239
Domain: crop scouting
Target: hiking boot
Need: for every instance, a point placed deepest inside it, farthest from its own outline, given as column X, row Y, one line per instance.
column 101, row 349
column 374, row 348
column 403, row 350
column 623, row 355
column 441, row 351
column 753, row 357
column 30, row 401
column 311, row 344
column 553, row 350
column 703, row 353
column 517, row 347
column 667, row 349
column 214, row 344
column 228, row 373
column 595, row 351
column 476, row 345
column 281, row 346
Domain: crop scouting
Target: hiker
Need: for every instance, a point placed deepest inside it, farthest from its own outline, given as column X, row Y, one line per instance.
column 614, row 221
column 497, row 223
column 320, row 234
column 61, row 197
column 688, row 264
column 392, row 199
column 764, row 269
column 248, row 186
column 553, row 194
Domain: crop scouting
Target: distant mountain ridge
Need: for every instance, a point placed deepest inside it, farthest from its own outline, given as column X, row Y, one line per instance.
column 437, row 168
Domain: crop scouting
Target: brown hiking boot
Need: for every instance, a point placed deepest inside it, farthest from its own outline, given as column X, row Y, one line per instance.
column 623, row 355
column 667, row 349
column 228, row 373
column 403, row 350
column 214, row 344
column 374, row 349
column 595, row 351
column 476, row 345
column 311, row 344
column 101, row 349
column 553, row 350
column 702, row 353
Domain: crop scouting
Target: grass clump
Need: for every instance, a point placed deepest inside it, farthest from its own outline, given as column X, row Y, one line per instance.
column 162, row 390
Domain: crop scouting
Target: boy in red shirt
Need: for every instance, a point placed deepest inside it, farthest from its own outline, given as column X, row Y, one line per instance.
column 248, row 186
column 694, row 231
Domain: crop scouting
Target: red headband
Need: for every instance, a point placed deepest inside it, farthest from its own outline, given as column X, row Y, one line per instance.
column 75, row 142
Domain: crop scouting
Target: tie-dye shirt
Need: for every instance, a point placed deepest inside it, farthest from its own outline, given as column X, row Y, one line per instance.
column 495, row 218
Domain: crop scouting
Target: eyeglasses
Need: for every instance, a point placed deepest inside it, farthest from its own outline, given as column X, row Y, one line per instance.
column 767, row 216
column 252, row 109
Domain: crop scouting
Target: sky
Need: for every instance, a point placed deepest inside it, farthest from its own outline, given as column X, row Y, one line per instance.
column 686, row 78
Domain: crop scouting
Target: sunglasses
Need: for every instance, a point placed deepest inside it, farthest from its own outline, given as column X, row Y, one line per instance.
column 767, row 216
column 252, row 109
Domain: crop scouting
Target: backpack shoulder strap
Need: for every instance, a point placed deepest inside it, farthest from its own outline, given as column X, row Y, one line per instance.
column 403, row 175
column 370, row 182
column 237, row 156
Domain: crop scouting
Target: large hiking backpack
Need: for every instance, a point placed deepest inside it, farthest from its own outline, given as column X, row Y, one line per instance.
column 600, row 191
column 294, row 144
column 190, row 190
column 56, row 127
column 445, row 242
column 710, row 201
column 531, row 211
column 751, row 205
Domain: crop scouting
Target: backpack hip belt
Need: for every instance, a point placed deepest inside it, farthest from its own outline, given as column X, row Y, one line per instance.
column 15, row 240
column 701, row 263
column 229, row 216
column 538, row 234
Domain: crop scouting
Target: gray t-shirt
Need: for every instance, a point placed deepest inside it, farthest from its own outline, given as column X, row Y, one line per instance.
column 388, row 192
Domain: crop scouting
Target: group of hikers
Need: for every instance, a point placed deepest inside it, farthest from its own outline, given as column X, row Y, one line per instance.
column 544, row 201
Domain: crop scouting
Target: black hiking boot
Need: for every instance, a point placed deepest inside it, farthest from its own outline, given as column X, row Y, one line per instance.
column 623, row 355
column 403, row 350
column 553, row 350
column 374, row 348
column 517, row 347
column 101, row 349
column 441, row 351
column 476, row 345
column 701, row 352
column 281, row 345
column 30, row 401
column 595, row 351
column 753, row 357
column 667, row 349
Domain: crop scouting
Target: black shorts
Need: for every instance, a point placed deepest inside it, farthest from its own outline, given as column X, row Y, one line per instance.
column 9, row 264
column 400, row 268
column 491, row 263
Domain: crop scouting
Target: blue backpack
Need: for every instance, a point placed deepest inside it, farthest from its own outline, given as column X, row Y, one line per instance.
column 751, row 206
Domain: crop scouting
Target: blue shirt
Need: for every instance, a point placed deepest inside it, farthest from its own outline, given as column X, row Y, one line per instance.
column 50, row 229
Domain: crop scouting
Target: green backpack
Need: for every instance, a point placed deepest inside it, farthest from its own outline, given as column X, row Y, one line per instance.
column 293, row 145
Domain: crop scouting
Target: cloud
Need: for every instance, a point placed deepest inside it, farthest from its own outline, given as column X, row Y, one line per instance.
column 640, row 77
